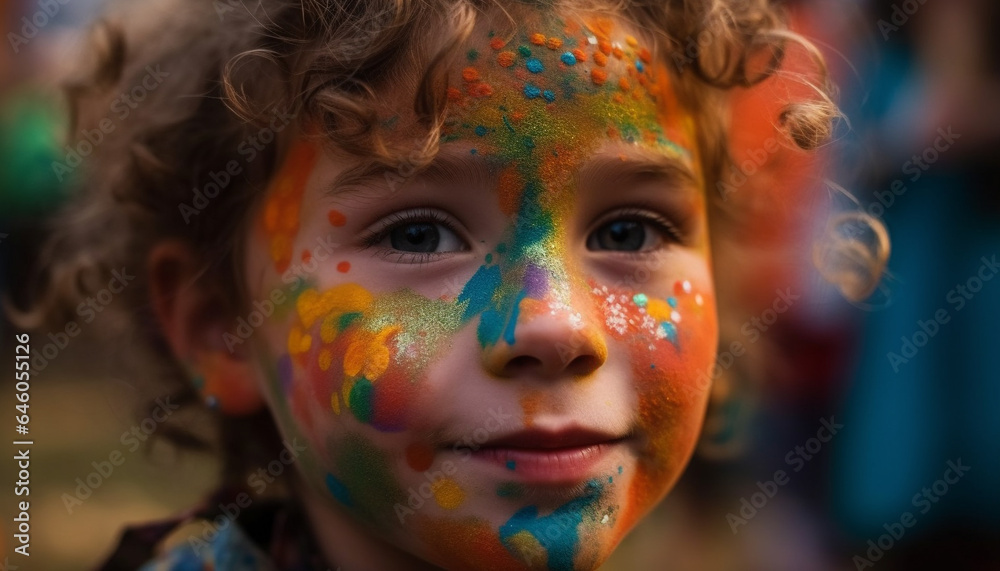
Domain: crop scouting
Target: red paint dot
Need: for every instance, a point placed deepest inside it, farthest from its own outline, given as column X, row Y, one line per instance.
column 337, row 218
column 306, row 256
column 419, row 456
column 344, row 267
column 678, row 288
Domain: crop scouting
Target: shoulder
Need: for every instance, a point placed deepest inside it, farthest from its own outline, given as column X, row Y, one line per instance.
column 226, row 549
column 263, row 537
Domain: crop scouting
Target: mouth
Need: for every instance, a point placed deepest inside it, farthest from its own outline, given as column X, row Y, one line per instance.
column 550, row 457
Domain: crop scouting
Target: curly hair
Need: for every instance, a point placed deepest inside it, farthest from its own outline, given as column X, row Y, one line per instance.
column 228, row 67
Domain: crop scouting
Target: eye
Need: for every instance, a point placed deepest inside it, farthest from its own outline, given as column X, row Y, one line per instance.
column 632, row 231
column 423, row 237
column 419, row 232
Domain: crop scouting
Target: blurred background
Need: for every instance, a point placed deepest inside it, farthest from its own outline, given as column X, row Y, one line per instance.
column 883, row 416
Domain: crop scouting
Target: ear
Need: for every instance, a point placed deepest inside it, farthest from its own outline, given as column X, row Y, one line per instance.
column 194, row 313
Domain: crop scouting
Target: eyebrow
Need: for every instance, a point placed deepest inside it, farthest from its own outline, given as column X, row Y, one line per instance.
column 611, row 170
column 446, row 168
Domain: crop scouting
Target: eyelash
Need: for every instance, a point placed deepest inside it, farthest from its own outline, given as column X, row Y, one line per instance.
column 372, row 238
column 643, row 213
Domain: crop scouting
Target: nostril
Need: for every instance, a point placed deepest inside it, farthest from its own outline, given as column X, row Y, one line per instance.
column 583, row 365
column 521, row 364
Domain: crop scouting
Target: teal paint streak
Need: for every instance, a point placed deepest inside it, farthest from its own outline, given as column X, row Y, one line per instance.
column 561, row 547
column 479, row 291
column 508, row 334
column 490, row 327
column 338, row 490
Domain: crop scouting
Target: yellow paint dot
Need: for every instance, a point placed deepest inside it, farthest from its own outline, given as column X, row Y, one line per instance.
column 448, row 494
column 305, row 343
column 335, row 403
column 298, row 341
column 279, row 247
column 328, row 330
column 658, row 309
column 325, row 360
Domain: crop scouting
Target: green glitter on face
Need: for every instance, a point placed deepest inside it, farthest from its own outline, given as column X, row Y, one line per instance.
column 365, row 472
column 424, row 324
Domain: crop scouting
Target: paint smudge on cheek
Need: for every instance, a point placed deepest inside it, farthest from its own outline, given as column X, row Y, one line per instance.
column 671, row 343
column 365, row 480
column 365, row 354
column 280, row 220
column 467, row 543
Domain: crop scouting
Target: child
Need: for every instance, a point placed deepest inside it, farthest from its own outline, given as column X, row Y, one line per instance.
column 450, row 259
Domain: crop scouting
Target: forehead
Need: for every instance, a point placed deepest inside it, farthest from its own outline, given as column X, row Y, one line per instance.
column 559, row 80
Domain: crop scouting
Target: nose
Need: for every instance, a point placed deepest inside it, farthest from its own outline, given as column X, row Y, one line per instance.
column 548, row 345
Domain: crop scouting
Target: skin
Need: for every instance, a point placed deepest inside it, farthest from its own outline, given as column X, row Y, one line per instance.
column 569, row 287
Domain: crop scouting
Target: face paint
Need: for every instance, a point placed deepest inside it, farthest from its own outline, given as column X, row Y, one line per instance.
column 372, row 369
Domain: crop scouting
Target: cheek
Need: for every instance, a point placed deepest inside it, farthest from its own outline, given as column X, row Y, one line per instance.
column 360, row 358
column 671, row 341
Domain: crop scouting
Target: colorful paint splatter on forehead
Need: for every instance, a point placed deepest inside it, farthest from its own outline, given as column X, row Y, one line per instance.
column 539, row 93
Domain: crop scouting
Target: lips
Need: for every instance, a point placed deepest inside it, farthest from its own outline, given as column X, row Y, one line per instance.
column 550, row 457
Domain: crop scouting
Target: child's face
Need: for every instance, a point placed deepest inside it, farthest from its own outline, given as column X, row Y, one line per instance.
column 501, row 358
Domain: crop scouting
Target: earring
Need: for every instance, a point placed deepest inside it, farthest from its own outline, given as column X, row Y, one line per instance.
column 210, row 400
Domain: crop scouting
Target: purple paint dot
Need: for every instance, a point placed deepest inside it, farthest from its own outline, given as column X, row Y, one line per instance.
column 536, row 281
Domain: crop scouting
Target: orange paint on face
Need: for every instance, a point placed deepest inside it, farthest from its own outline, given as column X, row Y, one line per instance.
column 284, row 200
column 598, row 76
column 419, row 456
column 672, row 392
column 506, row 59
column 529, row 406
column 509, row 190
column 497, row 43
column 470, row 74
column 480, row 90
column 344, row 267
column 467, row 544
column 336, row 218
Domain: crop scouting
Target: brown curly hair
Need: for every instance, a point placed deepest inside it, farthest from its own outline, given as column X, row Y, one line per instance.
column 230, row 66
